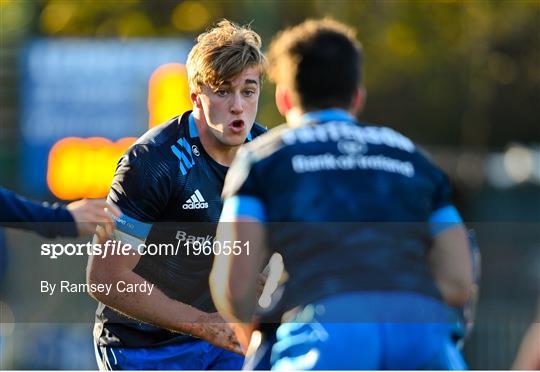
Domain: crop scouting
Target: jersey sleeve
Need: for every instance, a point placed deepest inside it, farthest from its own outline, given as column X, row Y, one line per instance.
column 241, row 191
column 141, row 189
column 444, row 214
column 47, row 220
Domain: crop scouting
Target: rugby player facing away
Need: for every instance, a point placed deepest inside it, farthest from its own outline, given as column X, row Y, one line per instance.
column 375, row 253
column 168, row 185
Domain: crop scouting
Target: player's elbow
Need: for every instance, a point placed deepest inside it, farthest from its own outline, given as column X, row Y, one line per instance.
column 456, row 292
column 457, row 286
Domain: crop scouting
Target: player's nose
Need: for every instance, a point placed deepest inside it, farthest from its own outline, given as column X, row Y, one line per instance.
column 236, row 104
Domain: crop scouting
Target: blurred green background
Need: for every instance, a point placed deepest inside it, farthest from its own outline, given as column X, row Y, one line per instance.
column 462, row 78
column 463, row 74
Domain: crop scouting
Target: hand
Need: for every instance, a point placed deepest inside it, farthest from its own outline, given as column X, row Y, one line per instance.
column 261, row 281
column 243, row 332
column 212, row 328
column 89, row 213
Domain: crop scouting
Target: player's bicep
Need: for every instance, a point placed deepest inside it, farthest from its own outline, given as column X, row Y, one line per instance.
column 450, row 256
column 108, row 268
column 233, row 280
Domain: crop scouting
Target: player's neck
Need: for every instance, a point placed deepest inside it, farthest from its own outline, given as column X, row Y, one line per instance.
column 296, row 116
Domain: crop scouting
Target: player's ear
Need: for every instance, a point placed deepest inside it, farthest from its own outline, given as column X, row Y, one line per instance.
column 358, row 101
column 283, row 100
column 195, row 99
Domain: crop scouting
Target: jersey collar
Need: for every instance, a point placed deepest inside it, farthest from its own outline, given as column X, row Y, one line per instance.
column 327, row 115
column 193, row 131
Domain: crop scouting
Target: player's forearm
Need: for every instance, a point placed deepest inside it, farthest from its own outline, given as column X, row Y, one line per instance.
column 153, row 307
column 235, row 296
column 237, row 304
column 158, row 309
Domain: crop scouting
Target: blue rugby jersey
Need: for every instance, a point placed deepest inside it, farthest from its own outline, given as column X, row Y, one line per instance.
column 168, row 189
column 349, row 206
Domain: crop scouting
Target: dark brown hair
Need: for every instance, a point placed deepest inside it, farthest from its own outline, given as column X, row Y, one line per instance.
column 320, row 61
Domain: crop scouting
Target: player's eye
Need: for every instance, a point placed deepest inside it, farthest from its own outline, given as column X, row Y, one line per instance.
column 249, row 92
column 222, row 92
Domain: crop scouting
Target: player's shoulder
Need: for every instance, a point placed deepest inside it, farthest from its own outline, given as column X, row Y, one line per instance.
column 374, row 134
column 437, row 174
column 265, row 145
column 148, row 172
column 261, row 148
column 157, row 137
column 257, row 130
column 167, row 132
column 160, row 142
column 419, row 155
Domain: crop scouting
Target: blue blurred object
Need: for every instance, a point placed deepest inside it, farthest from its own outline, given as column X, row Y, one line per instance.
column 71, row 350
column 85, row 88
column 397, row 331
column 45, row 219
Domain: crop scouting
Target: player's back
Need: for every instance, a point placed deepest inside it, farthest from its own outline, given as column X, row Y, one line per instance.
column 348, row 207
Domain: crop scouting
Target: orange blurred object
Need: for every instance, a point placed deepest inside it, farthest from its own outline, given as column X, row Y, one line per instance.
column 84, row 167
column 168, row 93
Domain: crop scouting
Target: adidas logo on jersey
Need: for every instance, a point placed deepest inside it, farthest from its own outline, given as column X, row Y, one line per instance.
column 196, row 201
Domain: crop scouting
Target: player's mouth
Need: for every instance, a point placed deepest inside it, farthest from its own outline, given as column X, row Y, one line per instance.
column 237, row 126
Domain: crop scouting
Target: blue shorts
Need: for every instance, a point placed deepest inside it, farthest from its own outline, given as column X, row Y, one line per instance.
column 190, row 355
column 369, row 330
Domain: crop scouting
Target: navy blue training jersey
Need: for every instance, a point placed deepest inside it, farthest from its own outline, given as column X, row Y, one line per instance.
column 169, row 191
column 349, row 206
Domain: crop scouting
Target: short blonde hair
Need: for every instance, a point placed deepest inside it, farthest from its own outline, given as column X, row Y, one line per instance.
column 222, row 53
